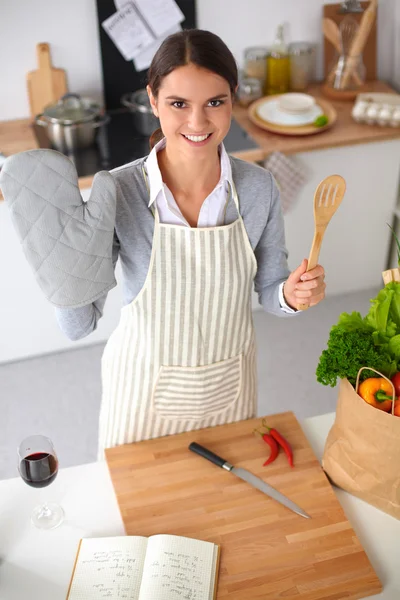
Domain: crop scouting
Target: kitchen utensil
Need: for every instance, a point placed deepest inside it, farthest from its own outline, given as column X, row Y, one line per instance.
column 256, row 482
column 327, row 198
column 45, row 85
column 324, row 107
column 139, row 104
column 358, row 43
column 332, row 11
column 348, row 31
column 332, row 33
column 267, row 551
column 71, row 123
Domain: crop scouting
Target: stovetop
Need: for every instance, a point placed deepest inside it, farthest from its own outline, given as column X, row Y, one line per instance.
column 118, row 143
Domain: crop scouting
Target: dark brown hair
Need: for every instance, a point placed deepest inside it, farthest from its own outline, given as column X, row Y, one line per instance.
column 191, row 46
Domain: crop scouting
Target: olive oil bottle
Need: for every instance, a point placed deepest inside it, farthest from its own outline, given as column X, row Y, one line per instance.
column 278, row 66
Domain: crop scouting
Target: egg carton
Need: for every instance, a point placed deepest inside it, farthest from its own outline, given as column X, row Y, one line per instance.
column 377, row 109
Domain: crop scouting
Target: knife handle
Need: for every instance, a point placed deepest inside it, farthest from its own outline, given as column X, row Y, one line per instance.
column 217, row 460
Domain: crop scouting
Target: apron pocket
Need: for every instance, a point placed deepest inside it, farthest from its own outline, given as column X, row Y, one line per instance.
column 197, row 392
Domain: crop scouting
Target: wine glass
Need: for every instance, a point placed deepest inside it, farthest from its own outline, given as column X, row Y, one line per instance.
column 38, row 467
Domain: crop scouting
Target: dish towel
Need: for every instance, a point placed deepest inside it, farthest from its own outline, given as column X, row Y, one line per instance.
column 289, row 175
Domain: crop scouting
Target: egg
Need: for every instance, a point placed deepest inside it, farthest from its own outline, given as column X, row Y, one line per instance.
column 359, row 109
column 372, row 114
column 384, row 115
column 395, row 118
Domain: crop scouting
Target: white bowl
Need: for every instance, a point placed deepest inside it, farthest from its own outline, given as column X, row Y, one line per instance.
column 295, row 104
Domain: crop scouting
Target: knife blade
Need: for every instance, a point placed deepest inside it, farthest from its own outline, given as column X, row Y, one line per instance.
column 245, row 475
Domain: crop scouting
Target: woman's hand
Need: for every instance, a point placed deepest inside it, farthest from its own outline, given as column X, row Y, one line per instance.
column 303, row 287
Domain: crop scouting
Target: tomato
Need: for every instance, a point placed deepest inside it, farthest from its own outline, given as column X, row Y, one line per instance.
column 397, row 408
column 396, row 383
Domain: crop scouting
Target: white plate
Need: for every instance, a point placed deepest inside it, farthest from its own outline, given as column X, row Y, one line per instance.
column 269, row 111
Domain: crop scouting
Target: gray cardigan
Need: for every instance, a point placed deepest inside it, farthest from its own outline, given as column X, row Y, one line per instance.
column 260, row 209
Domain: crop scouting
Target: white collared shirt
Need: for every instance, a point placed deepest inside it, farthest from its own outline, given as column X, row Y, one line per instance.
column 213, row 208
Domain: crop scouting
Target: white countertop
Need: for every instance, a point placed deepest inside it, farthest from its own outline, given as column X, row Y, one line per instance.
column 37, row 565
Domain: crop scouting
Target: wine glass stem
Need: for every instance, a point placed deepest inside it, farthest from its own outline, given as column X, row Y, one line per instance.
column 45, row 512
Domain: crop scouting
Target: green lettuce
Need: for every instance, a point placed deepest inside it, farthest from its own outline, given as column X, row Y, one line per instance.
column 356, row 341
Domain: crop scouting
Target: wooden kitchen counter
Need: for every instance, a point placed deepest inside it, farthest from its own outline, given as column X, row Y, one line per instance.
column 17, row 136
column 345, row 132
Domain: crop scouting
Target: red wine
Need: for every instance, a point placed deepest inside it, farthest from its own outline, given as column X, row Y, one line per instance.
column 39, row 469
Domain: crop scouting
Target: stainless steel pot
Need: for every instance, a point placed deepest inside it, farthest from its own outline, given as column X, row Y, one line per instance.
column 72, row 123
column 139, row 104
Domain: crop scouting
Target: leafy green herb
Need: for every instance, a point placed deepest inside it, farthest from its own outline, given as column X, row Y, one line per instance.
column 347, row 352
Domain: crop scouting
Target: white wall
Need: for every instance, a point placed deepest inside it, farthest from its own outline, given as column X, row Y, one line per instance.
column 396, row 66
column 71, row 30
column 28, row 326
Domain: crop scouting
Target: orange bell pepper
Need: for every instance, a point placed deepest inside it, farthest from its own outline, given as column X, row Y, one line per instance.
column 377, row 392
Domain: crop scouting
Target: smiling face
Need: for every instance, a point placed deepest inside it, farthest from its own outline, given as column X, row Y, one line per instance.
column 194, row 106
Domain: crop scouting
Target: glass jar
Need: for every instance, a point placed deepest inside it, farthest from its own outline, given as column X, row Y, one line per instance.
column 249, row 89
column 255, row 62
column 302, row 65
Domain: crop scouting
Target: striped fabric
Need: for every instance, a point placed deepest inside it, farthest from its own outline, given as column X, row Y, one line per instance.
column 183, row 354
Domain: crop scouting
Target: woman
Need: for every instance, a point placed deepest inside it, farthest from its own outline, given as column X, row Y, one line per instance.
column 194, row 229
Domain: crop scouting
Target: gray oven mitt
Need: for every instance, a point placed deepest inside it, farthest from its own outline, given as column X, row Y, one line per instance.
column 67, row 242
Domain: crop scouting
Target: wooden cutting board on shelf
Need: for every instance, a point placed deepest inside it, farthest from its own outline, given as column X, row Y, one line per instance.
column 267, row 551
column 46, row 84
column 331, row 11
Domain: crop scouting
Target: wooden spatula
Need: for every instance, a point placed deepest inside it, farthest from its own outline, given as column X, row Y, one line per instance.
column 45, row 85
column 327, row 199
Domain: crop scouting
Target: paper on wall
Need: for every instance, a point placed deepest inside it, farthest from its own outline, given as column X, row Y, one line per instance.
column 128, row 31
column 164, row 11
column 143, row 60
column 160, row 15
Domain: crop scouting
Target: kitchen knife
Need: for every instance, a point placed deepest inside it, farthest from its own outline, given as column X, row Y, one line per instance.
column 249, row 477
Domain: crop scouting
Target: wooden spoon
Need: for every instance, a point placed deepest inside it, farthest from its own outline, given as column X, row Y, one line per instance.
column 327, row 198
column 332, row 34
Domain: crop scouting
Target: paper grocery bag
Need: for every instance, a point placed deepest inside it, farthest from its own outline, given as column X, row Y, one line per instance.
column 362, row 451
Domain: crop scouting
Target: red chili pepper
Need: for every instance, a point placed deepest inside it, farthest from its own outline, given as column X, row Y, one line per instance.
column 268, row 439
column 272, row 443
column 282, row 442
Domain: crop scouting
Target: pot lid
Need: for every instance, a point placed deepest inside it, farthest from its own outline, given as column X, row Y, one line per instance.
column 72, row 109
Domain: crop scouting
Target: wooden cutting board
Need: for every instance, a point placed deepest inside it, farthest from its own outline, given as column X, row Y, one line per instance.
column 46, row 85
column 331, row 11
column 267, row 551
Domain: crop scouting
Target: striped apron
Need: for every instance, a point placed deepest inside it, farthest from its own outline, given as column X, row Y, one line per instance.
column 183, row 354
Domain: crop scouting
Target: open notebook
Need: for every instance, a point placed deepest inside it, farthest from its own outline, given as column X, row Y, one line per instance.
column 161, row 567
